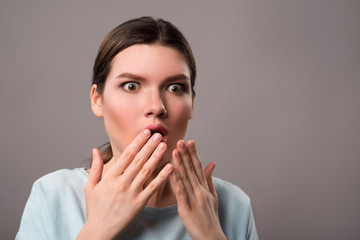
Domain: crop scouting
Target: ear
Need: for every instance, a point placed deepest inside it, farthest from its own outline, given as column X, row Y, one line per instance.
column 96, row 101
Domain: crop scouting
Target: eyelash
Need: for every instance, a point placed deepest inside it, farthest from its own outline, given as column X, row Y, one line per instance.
column 183, row 87
column 123, row 85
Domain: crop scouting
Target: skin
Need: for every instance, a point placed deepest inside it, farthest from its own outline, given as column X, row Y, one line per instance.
column 144, row 170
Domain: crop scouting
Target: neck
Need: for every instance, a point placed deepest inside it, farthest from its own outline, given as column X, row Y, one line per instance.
column 164, row 195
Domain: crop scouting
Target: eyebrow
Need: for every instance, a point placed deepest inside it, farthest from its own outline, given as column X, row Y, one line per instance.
column 135, row 77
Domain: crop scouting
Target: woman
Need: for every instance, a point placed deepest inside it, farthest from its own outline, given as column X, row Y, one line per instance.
column 149, row 183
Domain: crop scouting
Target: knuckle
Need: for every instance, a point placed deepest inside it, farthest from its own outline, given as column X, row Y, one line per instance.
column 180, row 190
column 185, row 180
column 200, row 196
column 192, row 150
column 191, row 168
column 140, row 139
column 127, row 155
column 198, row 164
column 121, row 187
column 163, row 175
column 152, row 187
column 156, row 154
column 137, row 161
column 183, row 151
column 146, row 171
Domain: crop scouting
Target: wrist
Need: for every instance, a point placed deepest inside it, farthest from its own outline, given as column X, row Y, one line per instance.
column 218, row 235
column 93, row 232
column 214, row 236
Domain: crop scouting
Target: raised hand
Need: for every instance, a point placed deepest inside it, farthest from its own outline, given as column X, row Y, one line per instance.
column 195, row 193
column 114, row 200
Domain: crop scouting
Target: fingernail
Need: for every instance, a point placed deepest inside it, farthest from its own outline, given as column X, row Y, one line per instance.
column 169, row 167
column 157, row 137
column 146, row 133
column 162, row 146
column 182, row 144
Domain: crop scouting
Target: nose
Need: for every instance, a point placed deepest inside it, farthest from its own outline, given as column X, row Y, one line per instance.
column 155, row 105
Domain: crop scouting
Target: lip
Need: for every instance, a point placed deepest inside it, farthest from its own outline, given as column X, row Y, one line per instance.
column 159, row 128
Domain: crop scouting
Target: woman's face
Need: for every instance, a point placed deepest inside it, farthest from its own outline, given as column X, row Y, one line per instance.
column 148, row 87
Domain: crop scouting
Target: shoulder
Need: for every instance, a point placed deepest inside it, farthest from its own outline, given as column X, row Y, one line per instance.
column 54, row 199
column 235, row 211
column 61, row 180
column 234, row 204
column 58, row 189
column 229, row 192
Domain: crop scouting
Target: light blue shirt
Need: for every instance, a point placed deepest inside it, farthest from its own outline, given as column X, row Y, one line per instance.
column 56, row 210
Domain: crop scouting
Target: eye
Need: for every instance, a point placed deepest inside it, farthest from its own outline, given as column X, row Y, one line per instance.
column 176, row 88
column 131, row 86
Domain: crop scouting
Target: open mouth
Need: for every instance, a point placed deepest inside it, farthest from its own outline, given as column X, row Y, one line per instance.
column 158, row 128
column 153, row 132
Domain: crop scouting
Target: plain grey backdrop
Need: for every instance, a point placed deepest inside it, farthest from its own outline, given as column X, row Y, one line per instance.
column 277, row 106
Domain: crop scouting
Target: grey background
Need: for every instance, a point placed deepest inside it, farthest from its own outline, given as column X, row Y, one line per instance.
column 277, row 107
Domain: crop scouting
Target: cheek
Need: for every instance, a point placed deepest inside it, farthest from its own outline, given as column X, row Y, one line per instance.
column 185, row 109
column 120, row 112
column 181, row 112
column 179, row 117
column 119, row 118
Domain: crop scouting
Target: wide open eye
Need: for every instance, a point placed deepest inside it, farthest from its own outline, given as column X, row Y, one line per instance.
column 131, row 86
column 176, row 88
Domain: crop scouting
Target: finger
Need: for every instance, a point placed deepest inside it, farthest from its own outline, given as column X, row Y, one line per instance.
column 149, row 167
column 156, row 183
column 180, row 193
column 187, row 163
column 208, row 175
column 129, row 153
column 196, row 162
column 181, row 171
column 96, row 169
column 141, row 157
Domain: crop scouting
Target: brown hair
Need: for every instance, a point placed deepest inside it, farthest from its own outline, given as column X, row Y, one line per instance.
column 144, row 30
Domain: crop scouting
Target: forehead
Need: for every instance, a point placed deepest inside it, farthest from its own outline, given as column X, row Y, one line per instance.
column 149, row 61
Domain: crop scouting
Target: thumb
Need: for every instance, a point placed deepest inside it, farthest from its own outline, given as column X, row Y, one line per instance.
column 208, row 175
column 96, row 169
